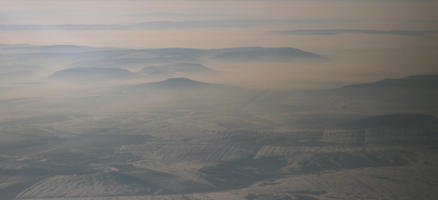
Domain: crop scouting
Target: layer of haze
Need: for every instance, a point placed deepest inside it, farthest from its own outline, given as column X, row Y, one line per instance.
column 224, row 24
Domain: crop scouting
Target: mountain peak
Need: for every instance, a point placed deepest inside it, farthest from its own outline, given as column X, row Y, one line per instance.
column 180, row 82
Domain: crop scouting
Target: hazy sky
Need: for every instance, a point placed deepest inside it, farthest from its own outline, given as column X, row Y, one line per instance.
column 206, row 24
column 365, row 38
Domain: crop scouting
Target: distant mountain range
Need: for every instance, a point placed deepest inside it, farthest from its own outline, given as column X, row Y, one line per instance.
column 413, row 94
column 409, row 94
column 92, row 64
column 84, row 56
column 92, row 74
column 238, row 53
column 264, row 54
column 410, row 82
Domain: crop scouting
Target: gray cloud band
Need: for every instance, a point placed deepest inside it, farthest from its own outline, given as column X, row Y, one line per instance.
column 354, row 31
